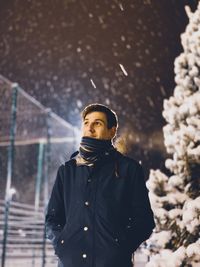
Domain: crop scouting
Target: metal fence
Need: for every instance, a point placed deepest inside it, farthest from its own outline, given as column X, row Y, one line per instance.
column 34, row 141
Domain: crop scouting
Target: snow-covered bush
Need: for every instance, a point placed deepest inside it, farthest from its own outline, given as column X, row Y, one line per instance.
column 175, row 200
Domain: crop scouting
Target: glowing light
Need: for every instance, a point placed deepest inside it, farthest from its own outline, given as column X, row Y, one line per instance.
column 10, row 193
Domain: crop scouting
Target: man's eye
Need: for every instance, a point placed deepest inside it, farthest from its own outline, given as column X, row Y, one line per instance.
column 85, row 122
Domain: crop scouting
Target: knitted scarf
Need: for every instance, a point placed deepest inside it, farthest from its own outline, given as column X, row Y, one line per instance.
column 92, row 150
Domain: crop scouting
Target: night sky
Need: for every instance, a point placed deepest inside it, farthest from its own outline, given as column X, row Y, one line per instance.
column 69, row 53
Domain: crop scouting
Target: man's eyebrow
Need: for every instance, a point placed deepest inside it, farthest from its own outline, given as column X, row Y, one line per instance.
column 100, row 120
column 96, row 120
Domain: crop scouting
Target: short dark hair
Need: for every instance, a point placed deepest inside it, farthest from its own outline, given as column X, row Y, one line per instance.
column 112, row 119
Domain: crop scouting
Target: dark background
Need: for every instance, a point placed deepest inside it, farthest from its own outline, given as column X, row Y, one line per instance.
column 57, row 49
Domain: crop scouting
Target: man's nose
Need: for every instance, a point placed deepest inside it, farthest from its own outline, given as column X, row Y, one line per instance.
column 91, row 127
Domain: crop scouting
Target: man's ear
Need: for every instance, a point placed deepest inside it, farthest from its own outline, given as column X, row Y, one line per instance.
column 113, row 132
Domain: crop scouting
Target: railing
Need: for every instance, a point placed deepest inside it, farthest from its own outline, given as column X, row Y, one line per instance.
column 24, row 246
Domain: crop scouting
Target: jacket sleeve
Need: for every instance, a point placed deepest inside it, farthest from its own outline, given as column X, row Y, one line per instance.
column 55, row 213
column 141, row 222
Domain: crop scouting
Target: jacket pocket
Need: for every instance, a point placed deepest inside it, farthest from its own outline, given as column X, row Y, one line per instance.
column 61, row 240
column 65, row 232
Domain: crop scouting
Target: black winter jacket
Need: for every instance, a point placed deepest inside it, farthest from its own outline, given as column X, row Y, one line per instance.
column 98, row 216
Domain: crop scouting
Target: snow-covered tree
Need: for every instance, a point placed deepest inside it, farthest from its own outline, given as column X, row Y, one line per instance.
column 176, row 199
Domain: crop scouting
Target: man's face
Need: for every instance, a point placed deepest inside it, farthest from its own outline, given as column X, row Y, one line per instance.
column 95, row 126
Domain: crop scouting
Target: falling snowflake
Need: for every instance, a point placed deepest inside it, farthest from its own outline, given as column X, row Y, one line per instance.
column 123, row 70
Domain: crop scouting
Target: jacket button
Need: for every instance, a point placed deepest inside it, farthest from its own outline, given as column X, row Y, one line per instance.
column 116, row 239
column 89, row 180
column 62, row 241
column 85, row 228
column 86, row 203
column 84, row 256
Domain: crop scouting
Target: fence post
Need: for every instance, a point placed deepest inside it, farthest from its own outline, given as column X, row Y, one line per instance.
column 38, row 188
column 9, row 192
column 46, row 179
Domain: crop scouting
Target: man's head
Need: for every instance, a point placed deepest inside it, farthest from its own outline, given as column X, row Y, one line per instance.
column 99, row 122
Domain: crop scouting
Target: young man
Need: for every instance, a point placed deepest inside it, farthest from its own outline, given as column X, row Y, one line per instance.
column 99, row 211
